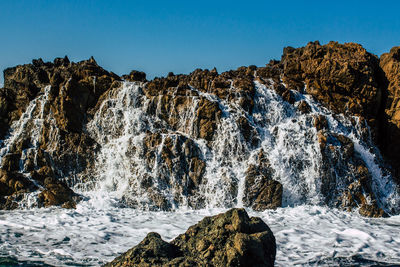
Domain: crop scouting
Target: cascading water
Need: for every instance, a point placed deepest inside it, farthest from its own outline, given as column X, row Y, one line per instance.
column 28, row 128
column 286, row 137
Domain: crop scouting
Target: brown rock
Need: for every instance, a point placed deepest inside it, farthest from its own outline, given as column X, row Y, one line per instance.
column 344, row 168
column 135, row 76
column 57, row 193
column 261, row 191
column 341, row 76
column 320, row 122
column 181, row 159
column 228, row 239
column 303, row 107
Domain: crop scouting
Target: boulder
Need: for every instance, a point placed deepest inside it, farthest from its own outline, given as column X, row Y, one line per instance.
column 135, row 76
column 13, row 186
column 57, row 193
column 261, row 192
column 227, row 239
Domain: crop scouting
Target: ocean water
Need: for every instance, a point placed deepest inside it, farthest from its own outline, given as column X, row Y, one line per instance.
column 91, row 236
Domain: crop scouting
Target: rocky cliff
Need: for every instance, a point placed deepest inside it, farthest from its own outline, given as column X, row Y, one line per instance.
column 186, row 137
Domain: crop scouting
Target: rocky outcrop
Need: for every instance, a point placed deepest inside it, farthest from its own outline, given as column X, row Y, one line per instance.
column 345, row 77
column 171, row 98
column 261, row 191
column 346, row 181
column 180, row 167
column 52, row 102
column 227, row 239
column 390, row 121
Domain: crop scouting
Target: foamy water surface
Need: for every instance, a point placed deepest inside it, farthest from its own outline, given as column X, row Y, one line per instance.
column 89, row 236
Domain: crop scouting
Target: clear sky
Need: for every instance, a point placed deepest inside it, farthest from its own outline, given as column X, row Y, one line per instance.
column 179, row 36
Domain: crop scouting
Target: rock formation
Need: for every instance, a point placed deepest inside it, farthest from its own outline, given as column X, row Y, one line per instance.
column 47, row 111
column 62, row 93
column 227, row 239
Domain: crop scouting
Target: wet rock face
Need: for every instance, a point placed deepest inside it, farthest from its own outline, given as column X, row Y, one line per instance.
column 183, row 109
column 13, row 186
column 344, row 77
column 261, row 191
column 390, row 64
column 173, row 97
column 75, row 88
column 227, row 239
column 345, row 179
column 60, row 97
column 180, row 167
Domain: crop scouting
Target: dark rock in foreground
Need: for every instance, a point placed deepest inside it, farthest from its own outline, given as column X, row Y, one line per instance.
column 227, row 239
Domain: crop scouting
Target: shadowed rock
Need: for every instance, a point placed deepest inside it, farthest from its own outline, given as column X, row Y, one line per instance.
column 390, row 121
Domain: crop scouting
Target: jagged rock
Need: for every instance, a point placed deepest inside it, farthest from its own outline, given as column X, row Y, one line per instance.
column 57, row 193
column 227, row 239
column 10, row 162
column 180, row 167
column 61, row 144
column 340, row 160
column 13, row 185
column 272, row 70
column 74, row 89
column 261, row 191
column 14, row 182
column 304, row 107
column 288, row 96
column 344, row 77
column 390, row 121
column 152, row 251
column 320, row 122
column 249, row 134
column 135, row 76
column 171, row 102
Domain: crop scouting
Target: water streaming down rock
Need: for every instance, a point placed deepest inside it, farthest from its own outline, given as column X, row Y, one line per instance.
column 25, row 135
column 146, row 163
column 270, row 156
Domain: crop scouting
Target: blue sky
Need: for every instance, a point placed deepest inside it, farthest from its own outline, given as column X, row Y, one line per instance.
column 179, row 36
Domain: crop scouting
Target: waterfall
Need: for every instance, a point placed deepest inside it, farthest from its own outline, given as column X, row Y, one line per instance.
column 151, row 156
column 130, row 169
column 27, row 131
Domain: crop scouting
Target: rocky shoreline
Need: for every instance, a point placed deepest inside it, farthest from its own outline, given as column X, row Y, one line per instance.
column 50, row 159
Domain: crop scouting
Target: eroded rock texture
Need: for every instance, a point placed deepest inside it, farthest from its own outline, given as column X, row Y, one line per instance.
column 227, row 239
